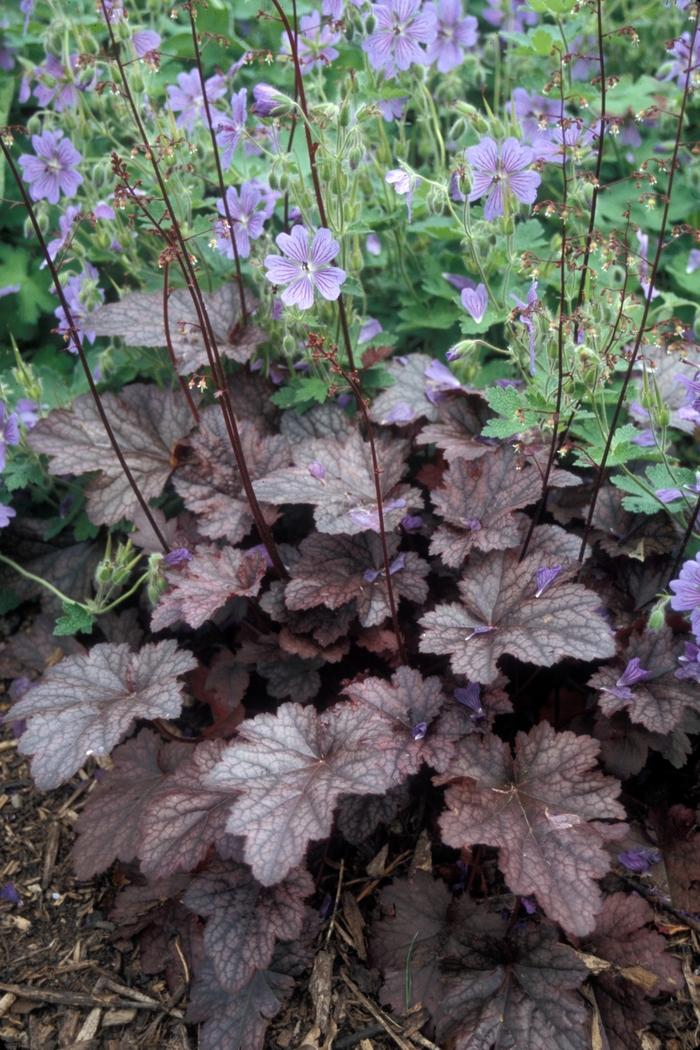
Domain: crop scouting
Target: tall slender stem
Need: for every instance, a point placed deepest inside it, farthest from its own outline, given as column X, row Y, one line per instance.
column 541, row 506
column 207, row 331
column 169, row 343
column 217, row 161
column 78, row 343
column 650, row 290
column 598, row 166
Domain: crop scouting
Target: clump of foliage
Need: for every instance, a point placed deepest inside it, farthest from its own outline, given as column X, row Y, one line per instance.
column 388, row 465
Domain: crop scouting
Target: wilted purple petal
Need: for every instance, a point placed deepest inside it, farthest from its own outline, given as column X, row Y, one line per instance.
column 10, row 893
column 639, row 859
column 400, row 412
column 668, row 495
column 412, row 522
column 317, row 470
column 177, row 556
column 470, row 696
column 369, row 329
column 419, row 730
column 545, row 577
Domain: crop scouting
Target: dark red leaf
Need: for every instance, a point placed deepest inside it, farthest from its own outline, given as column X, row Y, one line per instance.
column 202, row 586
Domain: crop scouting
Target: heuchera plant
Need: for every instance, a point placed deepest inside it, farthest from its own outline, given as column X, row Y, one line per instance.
column 388, row 465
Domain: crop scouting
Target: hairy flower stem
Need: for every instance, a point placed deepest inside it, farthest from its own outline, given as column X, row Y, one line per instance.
column 352, row 380
column 211, row 347
column 598, row 168
column 541, row 506
column 169, row 343
column 647, row 299
column 311, row 148
column 217, row 161
column 78, row 343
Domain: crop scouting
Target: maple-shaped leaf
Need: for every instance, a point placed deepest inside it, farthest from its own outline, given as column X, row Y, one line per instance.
column 408, row 942
column 640, row 963
column 477, row 500
column 137, row 318
column 109, row 827
column 138, row 906
column 147, row 423
column 240, row 1021
column 622, row 534
column 516, row 990
column 182, row 818
column 407, row 707
column 406, row 399
column 357, row 816
column 86, row 704
column 508, row 608
column 644, row 684
column 460, row 422
column 209, row 481
column 543, row 808
column 338, row 479
column 202, row 586
column 244, row 920
column 334, row 570
column 485, row 982
column 290, row 769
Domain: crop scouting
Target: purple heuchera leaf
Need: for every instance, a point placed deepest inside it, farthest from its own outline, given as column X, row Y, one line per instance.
column 406, row 399
column 497, row 594
column 86, row 704
column 206, row 583
column 545, row 577
column 288, row 770
column 639, row 859
column 544, row 808
column 243, row 922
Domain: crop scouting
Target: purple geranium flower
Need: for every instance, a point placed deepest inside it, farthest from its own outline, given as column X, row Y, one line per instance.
column 187, row 99
column 693, row 262
column 399, row 563
column 668, row 495
column 55, row 83
column 475, row 301
column 496, row 174
column 373, row 244
column 400, row 28
column 65, row 225
column 305, row 267
column 439, row 381
column 411, row 522
column 51, row 172
column 27, row 412
column 146, row 42
column 230, row 129
column 686, row 592
column 454, row 33
column 404, row 183
column 82, row 295
column 525, row 312
column 419, row 730
column 315, row 44
column 247, row 218
column 534, row 113
column 6, row 515
column 268, row 101
column 393, row 108
column 680, row 50
column 9, row 431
